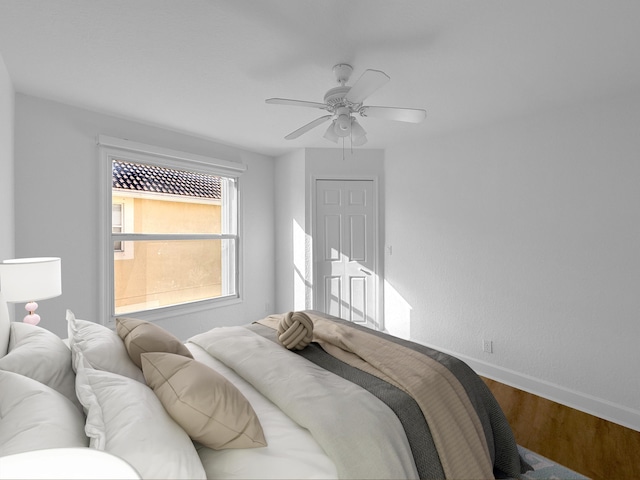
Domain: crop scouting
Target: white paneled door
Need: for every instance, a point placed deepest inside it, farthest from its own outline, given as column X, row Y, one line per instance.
column 345, row 250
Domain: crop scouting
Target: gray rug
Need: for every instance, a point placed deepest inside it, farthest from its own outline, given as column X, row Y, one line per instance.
column 543, row 468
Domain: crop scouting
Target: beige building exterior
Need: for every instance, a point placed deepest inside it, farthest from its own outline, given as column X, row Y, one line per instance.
column 152, row 274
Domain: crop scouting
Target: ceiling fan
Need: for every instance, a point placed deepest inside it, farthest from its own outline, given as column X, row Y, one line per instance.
column 343, row 102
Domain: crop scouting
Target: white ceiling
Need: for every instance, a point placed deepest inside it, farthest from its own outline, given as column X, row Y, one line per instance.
column 205, row 67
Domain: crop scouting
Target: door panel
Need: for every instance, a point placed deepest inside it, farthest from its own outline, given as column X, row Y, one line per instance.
column 332, row 197
column 345, row 278
column 333, row 295
column 357, row 197
column 357, row 234
column 332, row 238
column 358, row 300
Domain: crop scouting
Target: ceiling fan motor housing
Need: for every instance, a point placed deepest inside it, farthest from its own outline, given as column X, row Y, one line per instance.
column 335, row 96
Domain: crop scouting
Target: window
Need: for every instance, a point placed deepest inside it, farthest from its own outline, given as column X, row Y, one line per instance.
column 172, row 242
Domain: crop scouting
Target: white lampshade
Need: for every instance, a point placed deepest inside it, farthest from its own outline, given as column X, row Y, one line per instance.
column 30, row 279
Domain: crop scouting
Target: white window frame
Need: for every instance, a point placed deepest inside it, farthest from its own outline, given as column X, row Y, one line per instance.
column 114, row 148
column 121, row 205
column 127, row 226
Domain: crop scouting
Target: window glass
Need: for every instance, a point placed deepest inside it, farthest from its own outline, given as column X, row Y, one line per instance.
column 173, row 272
column 168, row 200
column 173, row 234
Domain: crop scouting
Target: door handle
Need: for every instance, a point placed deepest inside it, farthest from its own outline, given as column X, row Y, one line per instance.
column 365, row 271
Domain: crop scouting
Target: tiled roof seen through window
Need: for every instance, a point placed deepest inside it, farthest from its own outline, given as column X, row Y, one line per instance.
column 149, row 178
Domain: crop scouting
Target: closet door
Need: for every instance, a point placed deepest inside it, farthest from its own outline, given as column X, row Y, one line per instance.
column 345, row 250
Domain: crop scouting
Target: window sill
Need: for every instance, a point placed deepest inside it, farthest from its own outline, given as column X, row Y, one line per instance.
column 178, row 310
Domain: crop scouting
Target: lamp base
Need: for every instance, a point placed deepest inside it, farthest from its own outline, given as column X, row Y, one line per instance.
column 33, row 318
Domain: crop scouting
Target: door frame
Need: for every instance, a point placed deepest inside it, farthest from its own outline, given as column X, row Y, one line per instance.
column 378, row 242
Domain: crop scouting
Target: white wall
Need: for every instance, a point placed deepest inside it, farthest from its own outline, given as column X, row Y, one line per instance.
column 7, row 227
column 526, row 233
column 295, row 174
column 56, row 208
column 290, row 217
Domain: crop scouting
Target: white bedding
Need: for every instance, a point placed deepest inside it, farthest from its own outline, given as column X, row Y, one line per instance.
column 317, row 424
column 291, row 452
column 345, row 419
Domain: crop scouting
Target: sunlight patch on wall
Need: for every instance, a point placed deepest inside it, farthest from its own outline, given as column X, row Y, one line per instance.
column 397, row 312
column 302, row 271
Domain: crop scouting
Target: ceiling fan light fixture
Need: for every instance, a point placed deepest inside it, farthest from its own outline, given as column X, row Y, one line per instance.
column 343, row 125
column 330, row 134
column 359, row 141
column 356, row 129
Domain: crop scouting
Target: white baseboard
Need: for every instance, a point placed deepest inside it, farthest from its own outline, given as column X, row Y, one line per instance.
column 612, row 412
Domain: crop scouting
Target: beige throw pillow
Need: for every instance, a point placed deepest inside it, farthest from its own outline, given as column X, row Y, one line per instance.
column 140, row 337
column 203, row 402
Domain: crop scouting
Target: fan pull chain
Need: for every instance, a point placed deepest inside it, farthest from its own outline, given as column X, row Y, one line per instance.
column 351, row 142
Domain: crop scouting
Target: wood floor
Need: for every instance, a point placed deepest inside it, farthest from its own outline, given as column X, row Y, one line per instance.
column 589, row 445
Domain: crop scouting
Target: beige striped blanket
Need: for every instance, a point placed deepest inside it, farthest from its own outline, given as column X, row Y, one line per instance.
column 455, row 426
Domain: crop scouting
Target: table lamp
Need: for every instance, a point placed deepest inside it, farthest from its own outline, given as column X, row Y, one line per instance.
column 30, row 279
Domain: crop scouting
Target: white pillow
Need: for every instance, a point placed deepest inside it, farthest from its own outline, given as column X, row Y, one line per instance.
column 41, row 355
column 125, row 418
column 100, row 347
column 34, row 416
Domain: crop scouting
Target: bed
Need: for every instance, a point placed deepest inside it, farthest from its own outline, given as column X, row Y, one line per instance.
column 297, row 395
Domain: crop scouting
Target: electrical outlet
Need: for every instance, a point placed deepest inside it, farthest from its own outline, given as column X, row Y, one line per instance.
column 487, row 346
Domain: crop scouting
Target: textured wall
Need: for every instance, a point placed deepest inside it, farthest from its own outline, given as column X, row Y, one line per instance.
column 526, row 233
column 57, row 213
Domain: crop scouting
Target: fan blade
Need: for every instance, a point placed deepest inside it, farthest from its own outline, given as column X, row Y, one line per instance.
column 412, row 115
column 295, row 103
column 330, row 134
column 369, row 82
column 307, row 127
